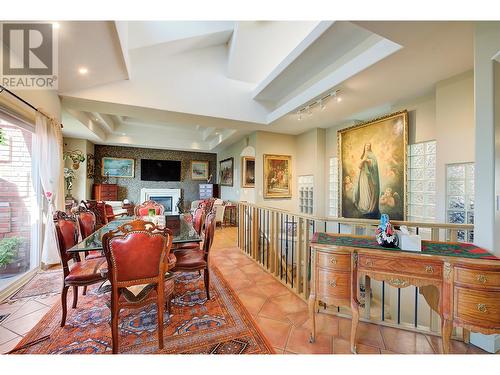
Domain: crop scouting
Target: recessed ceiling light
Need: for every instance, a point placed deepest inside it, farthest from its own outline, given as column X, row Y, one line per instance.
column 124, row 134
column 56, row 25
column 83, row 70
column 339, row 99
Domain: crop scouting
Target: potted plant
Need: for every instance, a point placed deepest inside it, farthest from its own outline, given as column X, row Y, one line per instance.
column 9, row 248
column 75, row 156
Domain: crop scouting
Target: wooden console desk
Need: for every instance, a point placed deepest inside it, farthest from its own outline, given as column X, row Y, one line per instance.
column 468, row 288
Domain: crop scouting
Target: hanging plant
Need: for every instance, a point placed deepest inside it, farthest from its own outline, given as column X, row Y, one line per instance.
column 75, row 156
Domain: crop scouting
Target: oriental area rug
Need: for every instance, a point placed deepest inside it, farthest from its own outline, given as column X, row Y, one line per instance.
column 220, row 325
column 44, row 283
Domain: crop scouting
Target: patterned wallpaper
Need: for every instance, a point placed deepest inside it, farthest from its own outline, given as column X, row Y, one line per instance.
column 130, row 188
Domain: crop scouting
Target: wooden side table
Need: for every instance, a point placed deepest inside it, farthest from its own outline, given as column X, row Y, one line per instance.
column 230, row 215
column 130, row 208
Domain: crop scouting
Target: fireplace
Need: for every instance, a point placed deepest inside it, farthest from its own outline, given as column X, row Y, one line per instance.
column 168, row 198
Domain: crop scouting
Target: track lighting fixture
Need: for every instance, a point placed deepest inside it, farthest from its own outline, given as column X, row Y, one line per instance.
column 321, row 102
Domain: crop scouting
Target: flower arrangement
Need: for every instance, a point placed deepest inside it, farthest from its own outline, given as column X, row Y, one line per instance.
column 385, row 234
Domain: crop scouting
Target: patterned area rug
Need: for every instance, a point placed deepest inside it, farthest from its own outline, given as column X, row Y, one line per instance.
column 452, row 249
column 196, row 326
column 44, row 283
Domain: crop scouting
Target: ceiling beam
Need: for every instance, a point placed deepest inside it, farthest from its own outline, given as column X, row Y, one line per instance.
column 106, row 121
column 89, row 123
column 207, row 133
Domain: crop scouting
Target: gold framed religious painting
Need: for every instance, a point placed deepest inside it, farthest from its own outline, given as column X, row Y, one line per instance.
column 372, row 168
column 248, row 172
column 277, row 176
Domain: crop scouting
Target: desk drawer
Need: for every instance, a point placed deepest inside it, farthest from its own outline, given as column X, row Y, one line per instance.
column 477, row 307
column 334, row 261
column 477, row 277
column 402, row 265
column 333, row 284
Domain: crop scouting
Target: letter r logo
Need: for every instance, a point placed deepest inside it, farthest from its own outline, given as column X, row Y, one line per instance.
column 28, row 49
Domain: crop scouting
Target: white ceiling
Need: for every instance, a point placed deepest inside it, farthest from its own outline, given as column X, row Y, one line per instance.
column 200, row 85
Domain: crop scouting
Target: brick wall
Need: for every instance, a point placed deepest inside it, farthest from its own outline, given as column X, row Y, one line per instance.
column 16, row 190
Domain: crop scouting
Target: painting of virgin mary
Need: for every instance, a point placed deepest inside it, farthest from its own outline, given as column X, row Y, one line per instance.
column 372, row 168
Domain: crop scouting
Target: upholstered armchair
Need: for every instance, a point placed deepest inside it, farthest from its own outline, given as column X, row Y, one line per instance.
column 143, row 208
column 138, row 257
column 76, row 273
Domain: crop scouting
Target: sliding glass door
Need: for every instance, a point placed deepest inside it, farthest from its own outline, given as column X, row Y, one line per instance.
column 19, row 204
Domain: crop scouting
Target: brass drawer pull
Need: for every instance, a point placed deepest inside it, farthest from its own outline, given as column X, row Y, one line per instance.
column 369, row 263
column 481, row 278
column 429, row 269
column 482, row 307
column 333, row 283
column 333, row 260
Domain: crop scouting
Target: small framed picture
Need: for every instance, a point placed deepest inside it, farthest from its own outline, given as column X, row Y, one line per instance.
column 226, row 169
column 248, row 171
column 199, row 170
column 277, row 176
column 117, row 167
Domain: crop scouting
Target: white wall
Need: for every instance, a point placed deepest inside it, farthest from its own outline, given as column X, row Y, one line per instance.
column 236, row 151
column 81, row 185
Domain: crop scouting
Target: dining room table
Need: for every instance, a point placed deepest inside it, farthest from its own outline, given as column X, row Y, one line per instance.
column 180, row 225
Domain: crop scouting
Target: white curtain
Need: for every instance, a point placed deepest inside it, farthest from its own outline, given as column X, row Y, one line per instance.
column 49, row 152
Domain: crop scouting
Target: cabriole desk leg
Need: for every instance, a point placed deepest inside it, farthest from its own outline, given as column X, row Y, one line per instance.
column 312, row 313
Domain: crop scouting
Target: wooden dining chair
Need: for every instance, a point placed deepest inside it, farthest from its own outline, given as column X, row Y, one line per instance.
column 138, row 254
column 87, row 223
column 143, row 208
column 78, row 273
column 196, row 259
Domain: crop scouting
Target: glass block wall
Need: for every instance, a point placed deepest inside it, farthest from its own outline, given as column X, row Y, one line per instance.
column 333, row 198
column 460, row 197
column 306, row 192
column 421, row 187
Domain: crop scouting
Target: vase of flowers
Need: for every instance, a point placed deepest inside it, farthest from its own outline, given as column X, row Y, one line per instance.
column 75, row 156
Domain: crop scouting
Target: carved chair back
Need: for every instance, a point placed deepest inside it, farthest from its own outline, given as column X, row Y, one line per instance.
column 66, row 229
column 137, row 253
column 143, row 208
column 209, row 233
column 198, row 219
column 98, row 209
column 86, row 220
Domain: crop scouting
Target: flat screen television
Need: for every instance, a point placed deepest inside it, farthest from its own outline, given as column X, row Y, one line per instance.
column 160, row 170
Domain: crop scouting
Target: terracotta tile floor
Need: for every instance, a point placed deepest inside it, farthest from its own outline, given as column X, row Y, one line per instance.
column 281, row 316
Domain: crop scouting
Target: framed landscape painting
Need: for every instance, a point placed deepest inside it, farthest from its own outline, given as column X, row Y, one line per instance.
column 248, row 171
column 199, row 170
column 372, row 165
column 226, row 169
column 117, row 167
column 277, row 176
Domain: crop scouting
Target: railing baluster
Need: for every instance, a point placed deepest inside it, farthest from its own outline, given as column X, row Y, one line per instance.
column 416, row 307
column 383, row 300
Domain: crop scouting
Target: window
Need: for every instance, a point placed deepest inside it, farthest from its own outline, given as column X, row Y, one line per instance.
column 460, row 197
column 422, row 181
column 333, row 198
column 306, row 190
column 19, row 213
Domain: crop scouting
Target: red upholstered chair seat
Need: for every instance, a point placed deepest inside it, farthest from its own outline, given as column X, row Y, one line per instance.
column 187, row 246
column 87, row 271
column 94, row 254
column 190, row 259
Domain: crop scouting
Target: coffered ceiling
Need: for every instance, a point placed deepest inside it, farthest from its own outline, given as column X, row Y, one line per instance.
column 202, row 85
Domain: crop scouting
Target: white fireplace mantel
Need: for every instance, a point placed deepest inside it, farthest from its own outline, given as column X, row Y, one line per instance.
column 147, row 194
